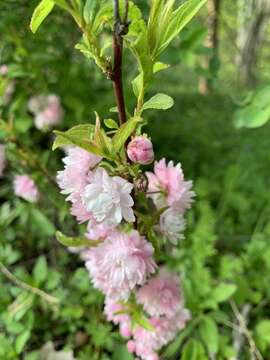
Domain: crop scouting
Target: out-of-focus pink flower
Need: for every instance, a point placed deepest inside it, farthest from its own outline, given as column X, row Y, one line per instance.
column 161, row 295
column 25, row 188
column 74, row 178
column 3, row 70
column 167, row 186
column 2, row 159
column 172, row 225
column 47, row 111
column 140, row 150
column 108, row 198
column 121, row 262
column 8, row 92
column 36, row 104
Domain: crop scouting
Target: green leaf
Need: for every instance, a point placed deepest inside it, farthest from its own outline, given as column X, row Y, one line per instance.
column 40, row 271
column 80, row 135
column 179, row 19
column 257, row 111
column 193, row 350
column 251, row 117
column 121, row 353
column 75, row 241
column 78, row 132
column 174, row 346
column 223, row 292
column 159, row 66
column 209, row 334
column 24, row 302
column 124, row 132
column 5, row 346
column 262, row 333
column 137, row 85
column 15, row 327
column 141, row 320
column 111, row 124
column 21, row 341
column 102, row 141
column 89, row 10
column 41, row 222
column 159, row 101
column 40, row 13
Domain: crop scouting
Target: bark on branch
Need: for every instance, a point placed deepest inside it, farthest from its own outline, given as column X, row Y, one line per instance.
column 120, row 29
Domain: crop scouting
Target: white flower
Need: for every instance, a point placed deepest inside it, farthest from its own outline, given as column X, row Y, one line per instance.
column 108, row 198
column 172, row 225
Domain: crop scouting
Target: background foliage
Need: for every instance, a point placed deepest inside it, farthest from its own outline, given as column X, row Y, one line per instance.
column 225, row 257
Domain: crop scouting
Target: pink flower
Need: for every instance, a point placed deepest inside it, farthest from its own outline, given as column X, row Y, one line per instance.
column 167, row 186
column 140, row 150
column 123, row 320
column 3, row 69
column 74, row 178
column 172, row 225
column 98, row 231
column 148, row 343
column 108, row 198
column 2, row 159
column 121, row 262
column 78, row 209
column 8, row 92
column 36, row 104
column 47, row 110
column 131, row 346
column 25, row 188
column 161, row 295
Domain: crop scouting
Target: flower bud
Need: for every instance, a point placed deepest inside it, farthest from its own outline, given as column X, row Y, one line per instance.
column 125, row 330
column 140, row 150
column 131, row 346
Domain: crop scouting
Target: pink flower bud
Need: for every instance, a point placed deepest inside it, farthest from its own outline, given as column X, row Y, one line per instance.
column 140, row 150
column 131, row 346
column 125, row 330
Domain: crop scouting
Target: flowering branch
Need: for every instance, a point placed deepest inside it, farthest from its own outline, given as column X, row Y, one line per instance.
column 106, row 191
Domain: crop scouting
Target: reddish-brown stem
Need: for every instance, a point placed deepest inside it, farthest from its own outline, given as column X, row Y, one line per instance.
column 116, row 76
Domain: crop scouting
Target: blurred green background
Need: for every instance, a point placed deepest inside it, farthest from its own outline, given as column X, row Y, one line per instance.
column 219, row 78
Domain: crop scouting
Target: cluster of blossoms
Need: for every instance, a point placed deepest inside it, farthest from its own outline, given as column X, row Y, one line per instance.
column 47, row 111
column 168, row 189
column 163, row 303
column 122, row 265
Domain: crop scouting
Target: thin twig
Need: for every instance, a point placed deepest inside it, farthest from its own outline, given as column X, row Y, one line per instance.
column 27, row 287
column 254, row 351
